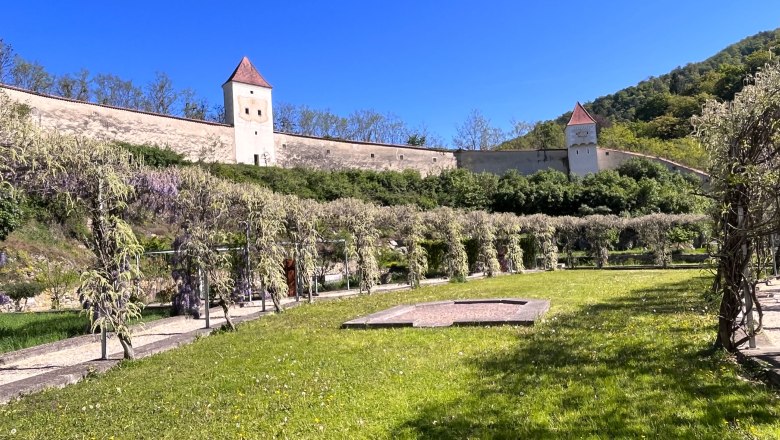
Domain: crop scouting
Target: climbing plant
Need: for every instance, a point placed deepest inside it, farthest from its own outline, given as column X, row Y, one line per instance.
column 450, row 229
column 358, row 219
column 410, row 228
column 509, row 228
column 741, row 140
column 302, row 220
column 542, row 228
column 483, row 230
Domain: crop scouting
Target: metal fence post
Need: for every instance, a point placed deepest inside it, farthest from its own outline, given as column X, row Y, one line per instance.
column 346, row 263
column 103, row 342
column 204, row 292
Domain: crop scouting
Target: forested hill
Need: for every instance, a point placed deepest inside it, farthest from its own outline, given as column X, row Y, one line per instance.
column 653, row 117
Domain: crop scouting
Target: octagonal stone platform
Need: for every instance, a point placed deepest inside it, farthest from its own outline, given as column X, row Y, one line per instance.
column 481, row 312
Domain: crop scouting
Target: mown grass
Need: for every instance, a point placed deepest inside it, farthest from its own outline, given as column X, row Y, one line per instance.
column 22, row 330
column 619, row 355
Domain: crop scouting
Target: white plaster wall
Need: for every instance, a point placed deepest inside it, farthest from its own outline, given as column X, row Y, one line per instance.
column 250, row 111
column 586, row 136
column 328, row 154
column 583, row 159
column 526, row 162
column 193, row 139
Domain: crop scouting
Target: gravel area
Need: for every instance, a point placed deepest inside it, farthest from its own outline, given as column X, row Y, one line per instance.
column 511, row 311
column 437, row 315
column 769, row 296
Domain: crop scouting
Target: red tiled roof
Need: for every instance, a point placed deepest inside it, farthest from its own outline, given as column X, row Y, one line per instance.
column 580, row 116
column 247, row 74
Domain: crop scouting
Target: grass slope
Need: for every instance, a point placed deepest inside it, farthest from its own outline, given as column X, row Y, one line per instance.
column 620, row 355
column 22, row 330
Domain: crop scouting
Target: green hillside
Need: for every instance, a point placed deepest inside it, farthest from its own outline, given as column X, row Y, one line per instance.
column 653, row 117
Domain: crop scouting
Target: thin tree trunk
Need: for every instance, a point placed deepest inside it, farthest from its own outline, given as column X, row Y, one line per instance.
column 228, row 320
column 127, row 346
column 277, row 303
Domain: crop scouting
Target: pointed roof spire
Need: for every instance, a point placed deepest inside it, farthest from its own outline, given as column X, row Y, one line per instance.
column 580, row 116
column 247, row 74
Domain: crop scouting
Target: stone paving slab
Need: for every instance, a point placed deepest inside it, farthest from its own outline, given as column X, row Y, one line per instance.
column 497, row 311
column 767, row 351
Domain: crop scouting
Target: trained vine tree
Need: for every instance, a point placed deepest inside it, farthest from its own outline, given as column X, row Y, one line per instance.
column 302, row 219
column 449, row 227
column 483, row 231
column 358, row 218
column 97, row 178
column 601, row 232
column 742, row 139
column 411, row 229
column 654, row 231
column 569, row 232
column 202, row 212
column 543, row 229
column 509, row 228
column 266, row 214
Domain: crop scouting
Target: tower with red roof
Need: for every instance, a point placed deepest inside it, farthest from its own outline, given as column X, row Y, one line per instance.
column 248, row 108
column 581, row 142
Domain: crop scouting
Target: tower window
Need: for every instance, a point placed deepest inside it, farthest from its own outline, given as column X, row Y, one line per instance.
column 372, row 155
column 257, row 160
column 607, row 153
column 434, row 160
column 259, row 113
column 251, row 92
column 327, row 151
column 255, row 133
column 246, row 110
column 402, row 157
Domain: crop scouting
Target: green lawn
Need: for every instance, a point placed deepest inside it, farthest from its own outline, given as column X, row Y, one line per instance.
column 22, row 330
column 621, row 354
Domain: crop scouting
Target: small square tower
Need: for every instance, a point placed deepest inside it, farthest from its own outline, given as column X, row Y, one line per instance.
column 581, row 142
column 248, row 108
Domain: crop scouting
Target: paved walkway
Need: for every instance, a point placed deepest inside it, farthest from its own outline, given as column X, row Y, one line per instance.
column 64, row 362
column 767, row 351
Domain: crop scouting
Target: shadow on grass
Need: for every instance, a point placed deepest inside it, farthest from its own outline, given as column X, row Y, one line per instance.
column 637, row 365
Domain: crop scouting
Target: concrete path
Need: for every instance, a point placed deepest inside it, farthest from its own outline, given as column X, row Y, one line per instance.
column 767, row 351
column 64, row 362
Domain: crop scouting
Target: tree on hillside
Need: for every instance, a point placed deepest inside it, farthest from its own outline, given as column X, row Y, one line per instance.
column 31, row 76
column 160, row 94
column 546, row 135
column 476, row 133
column 192, row 106
column 73, row 86
column 112, row 90
column 6, row 62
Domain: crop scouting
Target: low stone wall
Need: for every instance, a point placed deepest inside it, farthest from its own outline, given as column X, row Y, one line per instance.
column 194, row 139
column 328, row 154
column 611, row 159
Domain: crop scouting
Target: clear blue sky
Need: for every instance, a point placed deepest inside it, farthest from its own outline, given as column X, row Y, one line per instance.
column 426, row 61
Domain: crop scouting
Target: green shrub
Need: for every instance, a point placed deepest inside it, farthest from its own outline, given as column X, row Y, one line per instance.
column 22, row 291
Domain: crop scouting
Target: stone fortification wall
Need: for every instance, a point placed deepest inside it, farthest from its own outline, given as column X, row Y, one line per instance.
column 524, row 161
column 611, row 159
column 328, row 154
column 194, row 139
